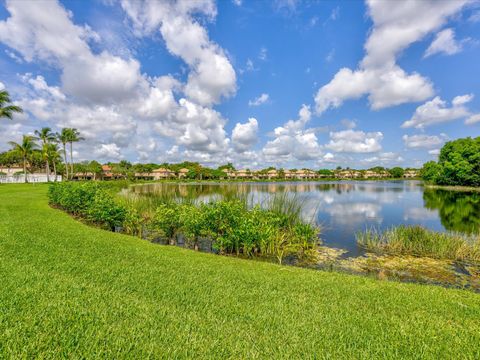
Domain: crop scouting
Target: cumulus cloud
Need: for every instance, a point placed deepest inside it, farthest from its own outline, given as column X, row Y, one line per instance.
column 262, row 99
column 424, row 141
column 108, row 151
column 212, row 75
column 396, row 25
column 473, row 119
column 106, row 97
column 293, row 140
column 244, row 136
column 387, row 159
column 444, row 42
column 349, row 124
column 31, row 31
column 351, row 141
column 437, row 111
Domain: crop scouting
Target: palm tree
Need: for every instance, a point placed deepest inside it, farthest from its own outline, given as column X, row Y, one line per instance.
column 53, row 154
column 63, row 138
column 25, row 149
column 6, row 111
column 73, row 136
column 46, row 136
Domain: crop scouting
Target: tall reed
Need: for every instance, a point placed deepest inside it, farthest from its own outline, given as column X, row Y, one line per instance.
column 419, row 241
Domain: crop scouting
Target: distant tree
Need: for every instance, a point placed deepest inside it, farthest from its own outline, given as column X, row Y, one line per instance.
column 396, row 172
column 46, row 136
column 339, row 168
column 54, row 157
column 6, row 109
column 228, row 166
column 63, row 138
column 325, row 172
column 95, row 167
column 73, row 136
column 25, row 149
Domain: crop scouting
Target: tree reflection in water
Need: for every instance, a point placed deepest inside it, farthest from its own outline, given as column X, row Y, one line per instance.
column 459, row 211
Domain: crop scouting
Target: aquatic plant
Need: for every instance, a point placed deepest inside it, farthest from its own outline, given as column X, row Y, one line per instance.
column 233, row 225
column 419, row 241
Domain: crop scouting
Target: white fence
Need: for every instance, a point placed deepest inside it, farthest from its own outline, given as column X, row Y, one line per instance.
column 31, row 178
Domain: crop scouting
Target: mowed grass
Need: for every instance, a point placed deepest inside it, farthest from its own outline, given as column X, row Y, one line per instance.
column 71, row 291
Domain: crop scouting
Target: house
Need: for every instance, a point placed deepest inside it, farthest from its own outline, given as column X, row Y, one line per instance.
column 272, row 174
column 290, row 174
column 243, row 174
column 348, row 174
column 11, row 170
column 108, row 174
column 182, row 173
column 229, row 173
column 162, row 173
column 411, row 173
column 87, row 175
column 144, row 176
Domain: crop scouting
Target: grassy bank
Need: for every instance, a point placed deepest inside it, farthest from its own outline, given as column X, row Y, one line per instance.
column 69, row 290
column 419, row 241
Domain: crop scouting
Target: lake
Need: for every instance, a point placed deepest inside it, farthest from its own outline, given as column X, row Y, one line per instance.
column 343, row 208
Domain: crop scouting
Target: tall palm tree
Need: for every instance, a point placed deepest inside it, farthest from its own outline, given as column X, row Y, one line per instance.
column 46, row 136
column 53, row 154
column 63, row 138
column 6, row 110
column 25, row 149
column 74, row 136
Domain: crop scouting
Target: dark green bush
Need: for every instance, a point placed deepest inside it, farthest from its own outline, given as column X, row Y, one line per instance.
column 89, row 200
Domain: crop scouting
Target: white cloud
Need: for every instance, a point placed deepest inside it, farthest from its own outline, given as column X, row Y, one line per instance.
column 444, row 42
column 2, row 86
column 396, row 26
column 349, row 124
column 212, row 76
column 31, row 31
column 352, row 141
column 108, row 151
column 237, row 2
column 293, row 140
column 473, row 119
column 263, row 55
column 386, row 159
column 423, row 141
column 262, row 99
column 434, row 152
column 437, row 111
column 244, row 136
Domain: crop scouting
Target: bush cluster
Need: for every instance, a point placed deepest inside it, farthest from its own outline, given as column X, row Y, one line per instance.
column 230, row 225
column 90, row 201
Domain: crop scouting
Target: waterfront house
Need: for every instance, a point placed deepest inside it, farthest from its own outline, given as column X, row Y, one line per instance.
column 411, row 173
column 182, row 173
column 272, row 174
column 163, row 173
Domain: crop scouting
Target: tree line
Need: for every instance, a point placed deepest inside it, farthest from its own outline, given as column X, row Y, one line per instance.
column 43, row 146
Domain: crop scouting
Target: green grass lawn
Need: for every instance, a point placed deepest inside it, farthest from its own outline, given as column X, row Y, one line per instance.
column 69, row 290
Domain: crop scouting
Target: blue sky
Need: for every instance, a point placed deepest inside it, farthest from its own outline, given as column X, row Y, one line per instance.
column 280, row 83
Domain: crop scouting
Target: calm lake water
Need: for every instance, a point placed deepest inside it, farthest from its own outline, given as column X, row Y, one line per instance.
column 346, row 207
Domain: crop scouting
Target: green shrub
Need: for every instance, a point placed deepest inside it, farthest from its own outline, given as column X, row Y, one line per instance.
column 231, row 225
